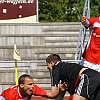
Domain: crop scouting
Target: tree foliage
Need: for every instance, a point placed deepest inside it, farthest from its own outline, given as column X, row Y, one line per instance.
column 64, row 10
column 94, row 8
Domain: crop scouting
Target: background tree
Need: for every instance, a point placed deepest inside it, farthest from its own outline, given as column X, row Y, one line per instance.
column 94, row 8
column 64, row 10
column 52, row 10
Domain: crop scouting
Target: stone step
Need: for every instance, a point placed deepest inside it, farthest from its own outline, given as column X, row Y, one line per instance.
column 37, row 28
column 34, row 52
column 66, row 27
column 38, row 57
column 34, row 41
column 43, row 34
column 61, row 33
column 60, row 39
column 8, row 73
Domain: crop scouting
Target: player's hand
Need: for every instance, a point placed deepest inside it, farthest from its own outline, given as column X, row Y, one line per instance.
column 62, row 86
column 83, row 19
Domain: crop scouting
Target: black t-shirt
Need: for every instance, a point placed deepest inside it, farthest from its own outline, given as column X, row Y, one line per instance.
column 66, row 72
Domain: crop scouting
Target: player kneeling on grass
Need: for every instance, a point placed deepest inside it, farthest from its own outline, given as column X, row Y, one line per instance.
column 83, row 83
column 26, row 88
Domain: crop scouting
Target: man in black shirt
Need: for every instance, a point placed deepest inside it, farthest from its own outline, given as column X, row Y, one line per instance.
column 83, row 83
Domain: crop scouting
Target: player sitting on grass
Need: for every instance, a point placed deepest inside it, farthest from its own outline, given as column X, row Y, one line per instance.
column 26, row 88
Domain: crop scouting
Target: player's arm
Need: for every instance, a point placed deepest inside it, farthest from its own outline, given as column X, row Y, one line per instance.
column 85, row 21
column 52, row 94
column 56, row 90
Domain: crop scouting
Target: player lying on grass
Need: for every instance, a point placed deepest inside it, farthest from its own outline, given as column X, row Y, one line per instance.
column 83, row 83
column 26, row 88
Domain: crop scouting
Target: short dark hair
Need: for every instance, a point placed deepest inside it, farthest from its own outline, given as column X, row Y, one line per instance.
column 22, row 78
column 53, row 58
column 99, row 9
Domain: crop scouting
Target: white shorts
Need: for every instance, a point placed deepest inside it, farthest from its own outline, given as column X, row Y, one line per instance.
column 2, row 98
column 91, row 65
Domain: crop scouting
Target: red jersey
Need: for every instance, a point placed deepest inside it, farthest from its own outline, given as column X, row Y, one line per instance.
column 13, row 93
column 92, row 51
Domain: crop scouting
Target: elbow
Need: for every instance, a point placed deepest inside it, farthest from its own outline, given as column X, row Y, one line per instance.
column 51, row 95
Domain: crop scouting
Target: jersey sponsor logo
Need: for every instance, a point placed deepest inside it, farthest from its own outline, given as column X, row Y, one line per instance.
column 96, row 35
column 96, row 24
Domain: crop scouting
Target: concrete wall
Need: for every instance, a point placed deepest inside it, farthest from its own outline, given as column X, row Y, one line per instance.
column 35, row 42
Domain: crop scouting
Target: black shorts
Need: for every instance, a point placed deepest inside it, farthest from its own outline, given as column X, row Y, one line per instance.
column 89, row 85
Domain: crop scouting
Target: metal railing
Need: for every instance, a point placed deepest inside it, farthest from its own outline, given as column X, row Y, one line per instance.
column 29, row 63
column 26, row 61
column 82, row 33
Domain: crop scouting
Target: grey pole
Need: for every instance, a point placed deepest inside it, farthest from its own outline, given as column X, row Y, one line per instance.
column 37, row 14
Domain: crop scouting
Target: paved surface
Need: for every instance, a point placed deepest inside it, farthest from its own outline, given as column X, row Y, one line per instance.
column 41, row 98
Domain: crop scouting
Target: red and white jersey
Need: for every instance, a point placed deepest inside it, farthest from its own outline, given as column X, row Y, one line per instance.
column 12, row 93
column 92, row 51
